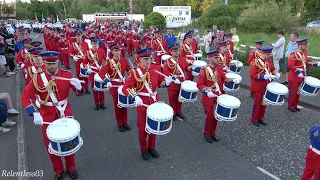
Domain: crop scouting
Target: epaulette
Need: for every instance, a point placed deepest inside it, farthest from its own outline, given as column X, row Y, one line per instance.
column 293, row 55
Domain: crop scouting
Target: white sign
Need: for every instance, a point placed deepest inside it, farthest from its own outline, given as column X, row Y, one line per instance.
column 176, row 16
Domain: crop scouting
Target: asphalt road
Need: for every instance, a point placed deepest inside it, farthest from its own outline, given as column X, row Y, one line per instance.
column 279, row 148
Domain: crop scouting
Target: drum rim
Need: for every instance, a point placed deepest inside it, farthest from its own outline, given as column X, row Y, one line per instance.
column 62, row 140
column 269, row 84
column 74, row 150
column 184, row 83
column 226, row 105
column 236, row 76
column 313, row 85
column 203, row 63
column 171, row 112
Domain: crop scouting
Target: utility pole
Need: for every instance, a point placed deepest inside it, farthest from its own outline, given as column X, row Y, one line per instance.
column 226, row 2
column 64, row 9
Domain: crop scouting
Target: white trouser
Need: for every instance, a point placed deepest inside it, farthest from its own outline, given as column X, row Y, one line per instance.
column 276, row 63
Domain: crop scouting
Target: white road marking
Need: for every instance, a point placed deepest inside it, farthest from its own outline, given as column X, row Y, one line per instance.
column 300, row 107
column 36, row 36
column 21, row 141
column 267, row 173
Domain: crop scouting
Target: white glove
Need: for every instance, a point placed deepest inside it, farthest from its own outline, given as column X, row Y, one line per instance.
column 237, row 62
column 76, row 83
column 37, row 119
column 236, row 81
column 89, row 71
column 211, row 95
column 138, row 101
column 75, row 58
column 168, row 80
column 26, row 76
column 177, row 81
column 267, row 76
column 277, row 75
column 300, row 75
column 158, row 54
column 22, row 65
column 108, row 85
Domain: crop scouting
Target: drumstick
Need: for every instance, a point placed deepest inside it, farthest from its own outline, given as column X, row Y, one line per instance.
column 161, row 73
column 46, row 123
column 144, row 105
column 65, row 79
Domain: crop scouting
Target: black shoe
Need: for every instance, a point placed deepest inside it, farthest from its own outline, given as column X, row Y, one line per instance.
column 88, row 92
column 181, row 116
column 145, row 155
column 256, row 124
column 293, row 110
column 263, row 122
column 97, row 107
column 208, row 139
column 121, row 129
column 58, row 176
column 153, row 153
column 102, row 106
column 127, row 127
column 69, row 68
column 285, row 83
column 175, row 118
column 214, row 138
column 73, row 174
column 297, row 109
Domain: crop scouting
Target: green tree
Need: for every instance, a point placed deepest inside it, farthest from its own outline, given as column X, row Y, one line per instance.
column 156, row 19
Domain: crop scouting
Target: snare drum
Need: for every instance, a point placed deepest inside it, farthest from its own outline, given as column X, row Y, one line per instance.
column 99, row 86
column 188, row 91
column 123, row 100
column 159, row 118
column 64, row 136
column 196, row 66
column 83, row 71
column 198, row 56
column 234, row 68
column 310, row 86
column 164, row 58
column 227, row 108
column 275, row 94
column 231, row 86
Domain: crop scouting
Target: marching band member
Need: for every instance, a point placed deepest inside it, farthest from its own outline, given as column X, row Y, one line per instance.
column 187, row 51
column 298, row 63
column 175, row 67
column 261, row 72
column 159, row 44
column 313, row 156
column 129, row 40
column 53, row 95
column 93, row 61
column 63, row 47
column 253, row 55
column 143, row 45
column 33, row 67
column 24, row 58
column 142, row 85
column 115, row 69
column 208, row 83
column 77, row 52
column 230, row 46
column 136, row 39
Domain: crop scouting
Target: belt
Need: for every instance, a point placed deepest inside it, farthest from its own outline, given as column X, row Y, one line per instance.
column 64, row 48
column 60, row 103
column 93, row 67
column 315, row 150
column 147, row 94
column 117, row 80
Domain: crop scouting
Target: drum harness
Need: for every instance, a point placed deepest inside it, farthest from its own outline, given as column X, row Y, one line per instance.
column 301, row 58
column 116, row 67
column 160, row 44
column 224, row 62
column 213, row 77
column 177, row 66
column 94, row 58
column 150, row 93
column 61, row 105
column 265, row 67
column 190, row 51
column 79, row 49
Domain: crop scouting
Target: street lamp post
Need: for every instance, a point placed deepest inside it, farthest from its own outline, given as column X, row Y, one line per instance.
column 64, row 9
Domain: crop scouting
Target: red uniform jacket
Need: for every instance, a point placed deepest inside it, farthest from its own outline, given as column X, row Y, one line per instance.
column 206, row 82
column 253, row 55
column 60, row 89
column 129, row 38
column 171, row 69
column 136, row 60
column 23, row 57
column 32, row 70
column 188, row 51
column 257, row 71
column 63, row 47
column 83, row 47
column 98, row 56
column 157, row 47
column 295, row 63
column 225, row 59
column 122, row 66
column 134, row 81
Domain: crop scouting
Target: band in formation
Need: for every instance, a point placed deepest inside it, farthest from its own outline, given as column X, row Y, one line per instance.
column 99, row 59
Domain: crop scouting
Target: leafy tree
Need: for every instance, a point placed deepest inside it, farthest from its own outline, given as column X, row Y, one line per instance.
column 156, row 19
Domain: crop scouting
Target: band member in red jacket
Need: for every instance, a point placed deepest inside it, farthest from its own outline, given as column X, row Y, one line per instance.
column 208, row 83
column 261, row 72
column 298, row 63
column 49, row 112
column 175, row 67
column 159, row 46
column 188, row 50
column 77, row 51
column 143, row 45
column 253, row 55
column 138, row 89
column 93, row 60
column 63, row 47
column 32, row 68
column 115, row 68
column 129, row 41
column 313, row 156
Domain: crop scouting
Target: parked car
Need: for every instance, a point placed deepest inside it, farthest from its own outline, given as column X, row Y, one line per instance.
column 314, row 24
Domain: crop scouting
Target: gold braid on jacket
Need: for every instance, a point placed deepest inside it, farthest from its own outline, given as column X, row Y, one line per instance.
column 145, row 78
column 115, row 67
column 49, row 88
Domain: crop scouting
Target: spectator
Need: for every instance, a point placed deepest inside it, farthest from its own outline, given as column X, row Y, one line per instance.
column 207, row 40
column 19, row 45
column 196, row 36
column 292, row 46
column 214, row 43
column 5, row 97
column 278, row 48
column 235, row 38
column 169, row 37
column 4, row 122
